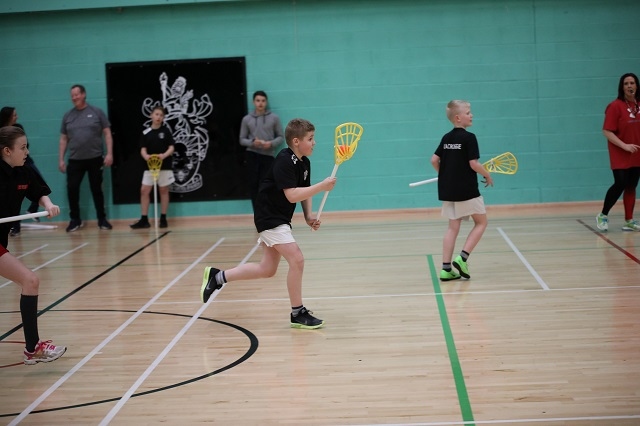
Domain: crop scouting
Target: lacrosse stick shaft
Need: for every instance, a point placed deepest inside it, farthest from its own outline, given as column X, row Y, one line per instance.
column 38, row 226
column 23, row 217
column 423, row 182
column 324, row 198
column 155, row 201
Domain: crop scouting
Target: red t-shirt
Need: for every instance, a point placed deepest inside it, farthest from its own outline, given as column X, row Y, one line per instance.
column 626, row 126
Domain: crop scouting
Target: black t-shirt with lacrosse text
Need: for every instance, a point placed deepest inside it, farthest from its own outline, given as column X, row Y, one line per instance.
column 457, row 181
column 272, row 208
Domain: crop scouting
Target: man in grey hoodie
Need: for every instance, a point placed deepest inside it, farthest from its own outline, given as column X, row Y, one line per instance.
column 261, row 133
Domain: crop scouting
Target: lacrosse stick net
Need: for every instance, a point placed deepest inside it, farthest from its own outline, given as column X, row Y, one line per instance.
column 345, row 145
column 506, row 164
column 154, row 163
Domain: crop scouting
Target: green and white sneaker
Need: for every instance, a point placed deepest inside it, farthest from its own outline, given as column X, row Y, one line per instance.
column 631, row 225
column 449, row 275
column 305, row 320
column 461, row 266
column 602, row 222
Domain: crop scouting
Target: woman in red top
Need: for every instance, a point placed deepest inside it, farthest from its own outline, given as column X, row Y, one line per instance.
column 622, row 130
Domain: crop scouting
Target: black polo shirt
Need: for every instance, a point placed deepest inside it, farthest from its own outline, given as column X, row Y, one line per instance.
column 457, row 181
column 272, row 207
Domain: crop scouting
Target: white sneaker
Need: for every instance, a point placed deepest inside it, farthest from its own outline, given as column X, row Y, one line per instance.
column 44, row 352
column 602, row 222
column 631, row 225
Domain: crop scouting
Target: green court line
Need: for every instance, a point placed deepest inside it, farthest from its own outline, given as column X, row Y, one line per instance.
column 461, row 387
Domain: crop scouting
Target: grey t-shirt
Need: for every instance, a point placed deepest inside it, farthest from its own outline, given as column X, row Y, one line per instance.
column 83, row 128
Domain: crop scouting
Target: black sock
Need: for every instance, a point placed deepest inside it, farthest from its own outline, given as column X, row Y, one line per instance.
column 29, row 313
column 144, row 218
column 163, row 216
column 447, row 266
column 464, row 255
column 296, row 310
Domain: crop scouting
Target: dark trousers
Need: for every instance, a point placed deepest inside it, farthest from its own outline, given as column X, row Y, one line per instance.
column 75, row 173
column 257, row 167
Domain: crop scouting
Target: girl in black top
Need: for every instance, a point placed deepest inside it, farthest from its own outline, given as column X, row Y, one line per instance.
column 9, row 117
column 16, row 183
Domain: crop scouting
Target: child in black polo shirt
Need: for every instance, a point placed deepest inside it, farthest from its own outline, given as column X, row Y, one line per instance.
column 287, row 183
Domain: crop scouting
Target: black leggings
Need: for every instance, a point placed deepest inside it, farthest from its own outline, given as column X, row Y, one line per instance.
column 622, row 179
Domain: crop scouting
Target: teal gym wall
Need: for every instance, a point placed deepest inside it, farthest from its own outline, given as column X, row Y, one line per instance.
column 538, row 74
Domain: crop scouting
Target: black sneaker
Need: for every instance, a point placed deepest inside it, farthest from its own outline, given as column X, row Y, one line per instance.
column 209, row 284
column 163, row 223
column 104, row 224
column 15, row 231
column 74, row 225
column 141, row 224
column 305, row 320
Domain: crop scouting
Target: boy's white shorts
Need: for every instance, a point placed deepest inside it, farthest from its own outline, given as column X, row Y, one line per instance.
column 463, row 209
column 279, row 235
column 165, row 178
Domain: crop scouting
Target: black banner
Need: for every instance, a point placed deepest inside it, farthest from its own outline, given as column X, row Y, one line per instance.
column 205, row 101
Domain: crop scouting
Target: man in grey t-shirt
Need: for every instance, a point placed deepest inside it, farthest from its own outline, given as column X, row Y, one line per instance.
column 82, row 132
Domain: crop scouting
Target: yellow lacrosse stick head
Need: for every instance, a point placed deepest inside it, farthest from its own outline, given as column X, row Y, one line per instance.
column 506, row 164
column 154, row 163
column 346, row 141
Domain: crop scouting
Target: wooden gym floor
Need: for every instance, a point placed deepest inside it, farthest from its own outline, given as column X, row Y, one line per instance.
column 546, row 332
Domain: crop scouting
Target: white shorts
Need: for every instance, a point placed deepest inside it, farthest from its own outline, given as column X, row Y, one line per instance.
column 278, row 235
column 165, row 178
column 463, row 209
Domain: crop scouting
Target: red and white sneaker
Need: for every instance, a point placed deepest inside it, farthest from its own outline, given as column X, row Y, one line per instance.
column 44, row 352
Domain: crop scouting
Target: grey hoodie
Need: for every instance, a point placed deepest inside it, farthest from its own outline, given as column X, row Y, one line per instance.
column 266, row 127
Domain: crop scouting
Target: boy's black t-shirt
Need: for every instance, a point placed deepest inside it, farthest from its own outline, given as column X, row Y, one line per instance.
column 272, row 207
column 457, row 181
column 158, row 141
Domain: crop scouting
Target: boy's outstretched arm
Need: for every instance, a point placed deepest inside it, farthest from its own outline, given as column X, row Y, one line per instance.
column 295, row 195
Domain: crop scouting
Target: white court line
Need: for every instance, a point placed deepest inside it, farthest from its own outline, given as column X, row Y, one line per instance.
column 507, row 421
column 113, row 335
column 107, row 419
column 385, row 296
column 50, row 261
column 529, row 267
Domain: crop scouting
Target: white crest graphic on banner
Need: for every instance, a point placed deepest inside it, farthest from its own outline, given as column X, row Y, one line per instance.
column 185, row 118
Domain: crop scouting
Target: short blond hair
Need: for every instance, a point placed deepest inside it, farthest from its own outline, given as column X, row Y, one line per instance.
column 454, row 107
column 297, row 128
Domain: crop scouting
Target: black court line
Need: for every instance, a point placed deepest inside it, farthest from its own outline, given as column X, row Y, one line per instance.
column 68, row 295
column 611, row 243
column 253, row 347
